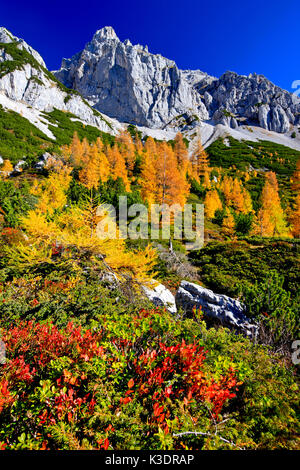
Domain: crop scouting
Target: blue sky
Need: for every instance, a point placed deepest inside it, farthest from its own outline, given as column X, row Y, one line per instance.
column 214, row 36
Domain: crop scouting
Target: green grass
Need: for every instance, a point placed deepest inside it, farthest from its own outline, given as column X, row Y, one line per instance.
column 258, row 154
column 66, row 127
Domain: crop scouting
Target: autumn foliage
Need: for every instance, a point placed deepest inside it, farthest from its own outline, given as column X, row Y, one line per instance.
column 62, row 374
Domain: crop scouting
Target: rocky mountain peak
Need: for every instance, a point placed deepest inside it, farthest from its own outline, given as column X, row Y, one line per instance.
column 130, row 84
column 105, row 33
column 5, row 35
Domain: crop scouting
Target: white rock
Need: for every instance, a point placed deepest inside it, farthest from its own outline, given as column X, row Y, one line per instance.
column 19, row 165
column 161, row 296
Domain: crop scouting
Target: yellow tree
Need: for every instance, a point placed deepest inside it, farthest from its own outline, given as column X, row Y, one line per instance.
column 127, row 150
column 228, row 226
column 271, row 177
column 212, row 203
column 172, row 185
column 52, row 191
column 75, row 151
column 226, row 188
column 117, row 165
column 271, row 219
column 148, row 179
column 295, row 180
column 95, row 168
column 295, row 218
column 6, row 168
column 236, row 196
column 150, row 146
column 206, row 181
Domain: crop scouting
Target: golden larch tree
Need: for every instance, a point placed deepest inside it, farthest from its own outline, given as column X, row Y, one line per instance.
column 212, row 203
column 172, row 185
column 271, row 220
column 228, row 226
column 295, row 218
column 117, row 165
column 148, row 179
column 127, row 150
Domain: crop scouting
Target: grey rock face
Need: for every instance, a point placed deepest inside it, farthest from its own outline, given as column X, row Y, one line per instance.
column 129, row 83
column 253, row 97
column 225, row 309
column 125, row 81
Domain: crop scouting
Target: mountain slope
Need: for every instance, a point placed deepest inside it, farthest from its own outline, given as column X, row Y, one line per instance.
column 25, row 79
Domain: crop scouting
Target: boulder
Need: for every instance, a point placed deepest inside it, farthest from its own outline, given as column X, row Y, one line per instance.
column 161, row 296
column 228, row 311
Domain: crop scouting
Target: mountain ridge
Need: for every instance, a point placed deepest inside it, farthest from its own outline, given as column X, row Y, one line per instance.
column 189, row 101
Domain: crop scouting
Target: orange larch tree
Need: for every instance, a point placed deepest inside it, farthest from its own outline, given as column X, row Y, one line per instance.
column 148, row 178
column 181, row 153
column 127, row 150
column 172, row 185
column 228, row 226
column 117, row 165
column 199, row 161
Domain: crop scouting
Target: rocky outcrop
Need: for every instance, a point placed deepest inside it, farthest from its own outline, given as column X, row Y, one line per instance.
column 25, row 79
column 254, row 98
column 228, row 311
column 129, row 83
column 161, row 296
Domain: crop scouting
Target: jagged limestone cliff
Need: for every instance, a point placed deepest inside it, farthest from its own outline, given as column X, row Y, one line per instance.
column 127, row 82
